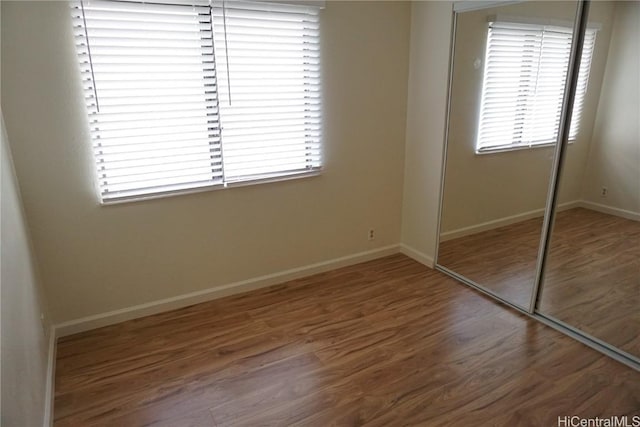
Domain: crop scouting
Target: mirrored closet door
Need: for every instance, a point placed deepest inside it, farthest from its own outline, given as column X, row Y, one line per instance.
column 508, row 77
column 540, row 203
column 592, row 271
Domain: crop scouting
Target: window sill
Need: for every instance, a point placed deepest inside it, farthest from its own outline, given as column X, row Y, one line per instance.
column 505, row 149
column 213, row 187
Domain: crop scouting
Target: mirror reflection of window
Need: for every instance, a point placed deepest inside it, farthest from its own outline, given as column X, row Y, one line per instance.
column 524, row 80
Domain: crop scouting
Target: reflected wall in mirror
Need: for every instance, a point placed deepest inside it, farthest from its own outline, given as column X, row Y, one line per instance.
column 508, row 78
column 592, row 272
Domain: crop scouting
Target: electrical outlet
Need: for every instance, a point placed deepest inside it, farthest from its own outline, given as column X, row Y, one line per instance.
column 603, row 192
column 372, row 234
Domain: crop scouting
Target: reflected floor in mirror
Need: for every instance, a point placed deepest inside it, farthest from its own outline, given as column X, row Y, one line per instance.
column 593, row 276
column 593, row 271
column 502, row 259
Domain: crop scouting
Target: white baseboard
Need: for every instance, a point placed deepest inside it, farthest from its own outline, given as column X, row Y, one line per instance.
column 51, row 378
column 490, row 225
column 569, row 205
column 155, row 307
column 416, row 255
column 501, row 222
column 623, row 213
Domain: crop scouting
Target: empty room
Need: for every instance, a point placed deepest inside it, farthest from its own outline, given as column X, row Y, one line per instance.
column 320, row 213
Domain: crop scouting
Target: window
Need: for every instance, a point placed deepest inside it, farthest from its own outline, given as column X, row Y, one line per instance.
column 524, row 79
column 207, row 94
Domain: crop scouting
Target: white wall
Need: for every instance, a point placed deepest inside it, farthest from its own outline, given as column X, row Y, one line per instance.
column 94, row 259
column 614, row 159
column 24, row 343
column 426, row 112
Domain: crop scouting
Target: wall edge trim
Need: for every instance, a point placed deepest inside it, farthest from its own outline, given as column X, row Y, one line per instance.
column 49, row 396
column 501, row 222
column 622, row 213
column 416, row 255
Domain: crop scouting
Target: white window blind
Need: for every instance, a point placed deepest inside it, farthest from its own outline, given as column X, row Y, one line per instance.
column 184, row 96
column 269, row 82
column 149, row 78
column 524, row 80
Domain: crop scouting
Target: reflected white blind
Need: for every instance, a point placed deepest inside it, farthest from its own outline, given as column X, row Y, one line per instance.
column 149, row 79
column 583, row 81
column 524, row 79
column 269, row 88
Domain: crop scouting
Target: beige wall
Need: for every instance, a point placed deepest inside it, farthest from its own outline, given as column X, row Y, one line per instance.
column 94, row 259
column 24, row 344
column 482, row 188
column 426, row 111
column 614, row 160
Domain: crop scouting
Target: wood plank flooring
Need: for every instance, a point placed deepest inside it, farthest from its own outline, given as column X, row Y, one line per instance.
column 384, row 343
column 592, row 280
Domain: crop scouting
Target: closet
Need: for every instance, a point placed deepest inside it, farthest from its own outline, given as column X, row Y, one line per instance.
column 540, row 196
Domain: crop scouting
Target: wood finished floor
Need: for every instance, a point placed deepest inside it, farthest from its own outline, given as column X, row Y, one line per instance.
column 593, row 271
column 384, row 343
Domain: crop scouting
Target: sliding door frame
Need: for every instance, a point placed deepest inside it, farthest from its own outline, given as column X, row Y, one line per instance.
column 579, row 29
